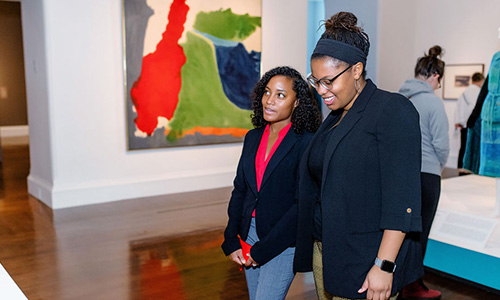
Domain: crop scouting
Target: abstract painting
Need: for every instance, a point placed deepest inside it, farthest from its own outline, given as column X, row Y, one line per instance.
column 190, row 67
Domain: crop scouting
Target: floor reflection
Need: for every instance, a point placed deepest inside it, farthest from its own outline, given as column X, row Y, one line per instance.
column 1, row 172
column 145, row 248
column 28, row 241
column 159, row 276
column 186, row 267
column 2, row 188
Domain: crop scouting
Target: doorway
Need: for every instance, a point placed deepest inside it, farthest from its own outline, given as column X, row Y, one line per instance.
column 13, row 102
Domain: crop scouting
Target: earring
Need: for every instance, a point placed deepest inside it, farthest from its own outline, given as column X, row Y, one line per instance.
column 355, row 86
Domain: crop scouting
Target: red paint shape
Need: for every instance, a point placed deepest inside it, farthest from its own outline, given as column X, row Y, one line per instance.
column 156, row 92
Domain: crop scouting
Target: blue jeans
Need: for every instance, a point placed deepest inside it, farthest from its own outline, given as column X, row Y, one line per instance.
column 271, row 280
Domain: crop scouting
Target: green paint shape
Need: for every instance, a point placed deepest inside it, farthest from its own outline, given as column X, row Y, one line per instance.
column 224, row 24
column 202, row 101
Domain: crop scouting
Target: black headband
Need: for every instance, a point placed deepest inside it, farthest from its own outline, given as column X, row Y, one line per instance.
column 341, row 51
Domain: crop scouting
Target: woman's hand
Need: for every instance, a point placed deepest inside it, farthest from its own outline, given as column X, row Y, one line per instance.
column 250, row 261
column 378, row 284
column 237, row 257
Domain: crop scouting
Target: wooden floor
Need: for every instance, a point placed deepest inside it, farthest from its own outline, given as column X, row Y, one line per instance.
column 164, row 247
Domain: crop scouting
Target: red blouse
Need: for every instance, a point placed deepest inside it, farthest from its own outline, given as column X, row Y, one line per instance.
column 260, row 159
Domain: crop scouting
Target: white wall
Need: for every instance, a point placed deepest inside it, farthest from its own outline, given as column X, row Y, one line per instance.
column 284, row 34
column 40, row 180
column 76, row 96
column 367, row 14
column 467, row 30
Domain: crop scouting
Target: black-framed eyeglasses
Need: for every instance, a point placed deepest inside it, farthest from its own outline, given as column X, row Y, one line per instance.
column 326, row 83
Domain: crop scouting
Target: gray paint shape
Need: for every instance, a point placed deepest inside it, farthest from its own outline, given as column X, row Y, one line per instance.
column 135, row 26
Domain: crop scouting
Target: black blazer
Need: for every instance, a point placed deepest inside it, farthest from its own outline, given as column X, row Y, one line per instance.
column 370, row 182
column 275, row 204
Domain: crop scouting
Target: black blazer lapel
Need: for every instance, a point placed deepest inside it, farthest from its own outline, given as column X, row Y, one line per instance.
column 285, row 146
column 327, row 123
column 249, row 162
column 350, row 119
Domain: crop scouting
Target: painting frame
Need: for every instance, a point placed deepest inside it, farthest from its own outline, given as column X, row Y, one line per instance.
column 457, row 78
column 227, row 124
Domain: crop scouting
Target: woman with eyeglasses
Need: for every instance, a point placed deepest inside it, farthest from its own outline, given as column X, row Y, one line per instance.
column 359, row 184
column 435, row 148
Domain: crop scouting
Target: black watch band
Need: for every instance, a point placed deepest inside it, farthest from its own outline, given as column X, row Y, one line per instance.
column 385, row 265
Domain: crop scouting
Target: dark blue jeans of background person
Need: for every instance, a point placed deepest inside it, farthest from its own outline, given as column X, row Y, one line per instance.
column 272, row 280
column 431, row 189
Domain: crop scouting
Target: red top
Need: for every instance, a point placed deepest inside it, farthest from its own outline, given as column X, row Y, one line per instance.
column 260, row 159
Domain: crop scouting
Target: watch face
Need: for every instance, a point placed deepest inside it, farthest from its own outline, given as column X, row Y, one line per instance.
column 387, row 266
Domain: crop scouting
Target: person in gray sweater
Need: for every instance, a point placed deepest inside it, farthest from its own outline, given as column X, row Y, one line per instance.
column 435, row 148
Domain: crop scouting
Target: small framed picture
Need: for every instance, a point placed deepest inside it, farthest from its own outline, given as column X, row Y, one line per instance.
column 457, row 78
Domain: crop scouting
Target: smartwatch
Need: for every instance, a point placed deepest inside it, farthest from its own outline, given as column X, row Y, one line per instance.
column 385, row 265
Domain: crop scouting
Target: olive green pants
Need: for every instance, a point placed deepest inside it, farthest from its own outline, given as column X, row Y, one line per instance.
column 318, row 275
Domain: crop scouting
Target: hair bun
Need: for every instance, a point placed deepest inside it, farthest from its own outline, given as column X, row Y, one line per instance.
column 342, row 20
column 435, row 51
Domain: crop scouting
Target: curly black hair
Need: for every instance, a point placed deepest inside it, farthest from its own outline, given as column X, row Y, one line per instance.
column 306, row 116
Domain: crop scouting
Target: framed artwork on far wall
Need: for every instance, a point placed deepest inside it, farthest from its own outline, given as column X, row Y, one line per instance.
column 190, row 67
column 457, row 78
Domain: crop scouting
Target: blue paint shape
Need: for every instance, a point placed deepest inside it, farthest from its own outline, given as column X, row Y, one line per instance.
column 473, row 266
column 218, row 41
column 239, row 71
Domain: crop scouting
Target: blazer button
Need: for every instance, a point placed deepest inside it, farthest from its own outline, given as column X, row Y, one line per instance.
column 408, row 210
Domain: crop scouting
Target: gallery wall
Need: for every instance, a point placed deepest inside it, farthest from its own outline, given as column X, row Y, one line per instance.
column 467, row 30
column 76, row 104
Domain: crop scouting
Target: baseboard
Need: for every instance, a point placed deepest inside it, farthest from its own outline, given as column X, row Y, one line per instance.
column 14, row 131
column 64, row 197
column 40, row 189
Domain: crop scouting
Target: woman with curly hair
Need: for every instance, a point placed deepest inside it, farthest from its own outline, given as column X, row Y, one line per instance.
column 262, row 226
column 359, row 188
